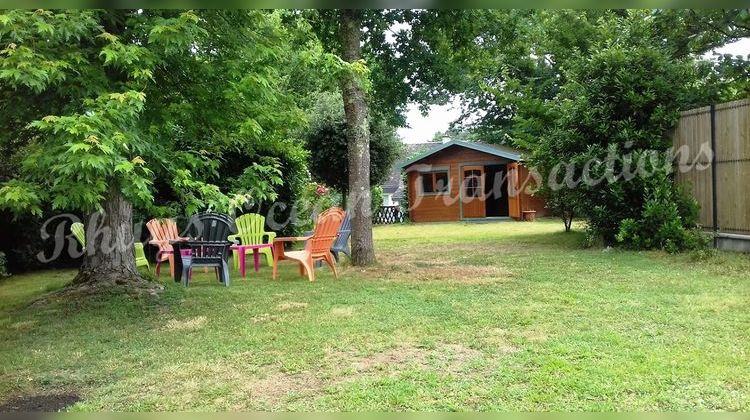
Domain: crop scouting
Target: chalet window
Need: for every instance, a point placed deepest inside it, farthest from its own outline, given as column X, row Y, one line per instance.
column 473, row 184
column 435, row 182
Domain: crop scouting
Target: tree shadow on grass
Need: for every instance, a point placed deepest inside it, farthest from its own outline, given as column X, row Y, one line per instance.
column 48, row 403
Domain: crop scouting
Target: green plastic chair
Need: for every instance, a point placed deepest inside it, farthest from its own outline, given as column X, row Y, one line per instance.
column 251, row 231
column 78, row 232
column 140, row 256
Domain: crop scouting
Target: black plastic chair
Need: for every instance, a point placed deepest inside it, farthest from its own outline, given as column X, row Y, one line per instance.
column 208, row 246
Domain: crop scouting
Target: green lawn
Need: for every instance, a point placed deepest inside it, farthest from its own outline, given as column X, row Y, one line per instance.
column 497, row 316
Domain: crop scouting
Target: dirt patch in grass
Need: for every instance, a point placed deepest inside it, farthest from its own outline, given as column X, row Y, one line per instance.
column 285, row 306
column 190, row 324
column 276, row 387
column 271, row 386
column 535, row 336
column 39, row 403
column 457, row 355
column 440, row 264
column 497, row 339
column 343, row 311
column 396, row 356
column 445, row 358
column 254, row 386
column 24, row 326
column 263, row 318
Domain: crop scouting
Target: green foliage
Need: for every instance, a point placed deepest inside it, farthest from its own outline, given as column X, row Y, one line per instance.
column 668, row 221
column 315, row 199
column 328, row 145
column 409, row 54
column 376, row 193
column 38, row 65
column 732, row 76
column 577, row 86
column 563, row 203
column 619, row 103
column 616, row 110
column 183, row 110
column 507, row 65
column 20, row 196
column 259, row 180
column 85, row 152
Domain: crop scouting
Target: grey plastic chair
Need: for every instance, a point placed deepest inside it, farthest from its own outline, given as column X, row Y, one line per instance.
column 342, row 242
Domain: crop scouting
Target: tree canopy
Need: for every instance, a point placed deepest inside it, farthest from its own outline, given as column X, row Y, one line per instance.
column 128, row 97
column 176, row 111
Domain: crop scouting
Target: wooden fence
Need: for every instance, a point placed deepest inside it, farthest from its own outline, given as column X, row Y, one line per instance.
column 387, row 215
column 715, row 140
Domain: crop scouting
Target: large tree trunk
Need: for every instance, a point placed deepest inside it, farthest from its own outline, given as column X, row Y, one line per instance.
column 108, row 260
column 358, row 134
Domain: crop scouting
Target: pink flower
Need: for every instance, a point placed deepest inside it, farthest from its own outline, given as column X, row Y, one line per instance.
column 321, row 190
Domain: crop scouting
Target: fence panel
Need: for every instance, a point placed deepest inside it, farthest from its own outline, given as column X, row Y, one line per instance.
column 730, row 125
column 693, row 133
column 387, row 215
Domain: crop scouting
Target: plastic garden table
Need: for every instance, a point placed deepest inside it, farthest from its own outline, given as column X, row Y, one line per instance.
column 241, row 249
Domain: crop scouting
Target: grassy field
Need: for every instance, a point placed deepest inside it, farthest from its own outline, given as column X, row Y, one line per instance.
column 496, row 316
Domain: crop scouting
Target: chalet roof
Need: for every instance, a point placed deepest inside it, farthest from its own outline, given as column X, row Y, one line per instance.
column 492, row 149
column 394, row 184
column 414, row 152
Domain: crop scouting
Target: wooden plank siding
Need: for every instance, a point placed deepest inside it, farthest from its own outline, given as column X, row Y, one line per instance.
column 529, row 201
column 693, row 130
column 447, row 207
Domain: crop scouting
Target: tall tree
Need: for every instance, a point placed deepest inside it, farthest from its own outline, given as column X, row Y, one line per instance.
column 326, row 140
column 400, row 69
column 358, row 132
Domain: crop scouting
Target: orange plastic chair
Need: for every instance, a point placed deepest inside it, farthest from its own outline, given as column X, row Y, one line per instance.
column 317, row 247
column 162, row 231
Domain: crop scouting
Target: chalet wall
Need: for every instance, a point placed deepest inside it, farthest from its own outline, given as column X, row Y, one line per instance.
column 446, row 207
column 529, row 201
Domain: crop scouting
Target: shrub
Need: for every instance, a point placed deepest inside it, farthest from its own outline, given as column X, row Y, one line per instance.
column 609, row 129
column 376, row 193
column 315, row 199
column 329, row 147
column 668, row 221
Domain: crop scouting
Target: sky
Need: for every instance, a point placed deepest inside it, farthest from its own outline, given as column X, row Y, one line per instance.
column 422, row 128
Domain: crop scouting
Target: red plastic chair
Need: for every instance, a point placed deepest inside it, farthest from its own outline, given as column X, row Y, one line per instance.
column 162, row 231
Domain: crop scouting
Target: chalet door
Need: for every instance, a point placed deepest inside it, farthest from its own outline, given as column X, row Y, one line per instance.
column 472, row 192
